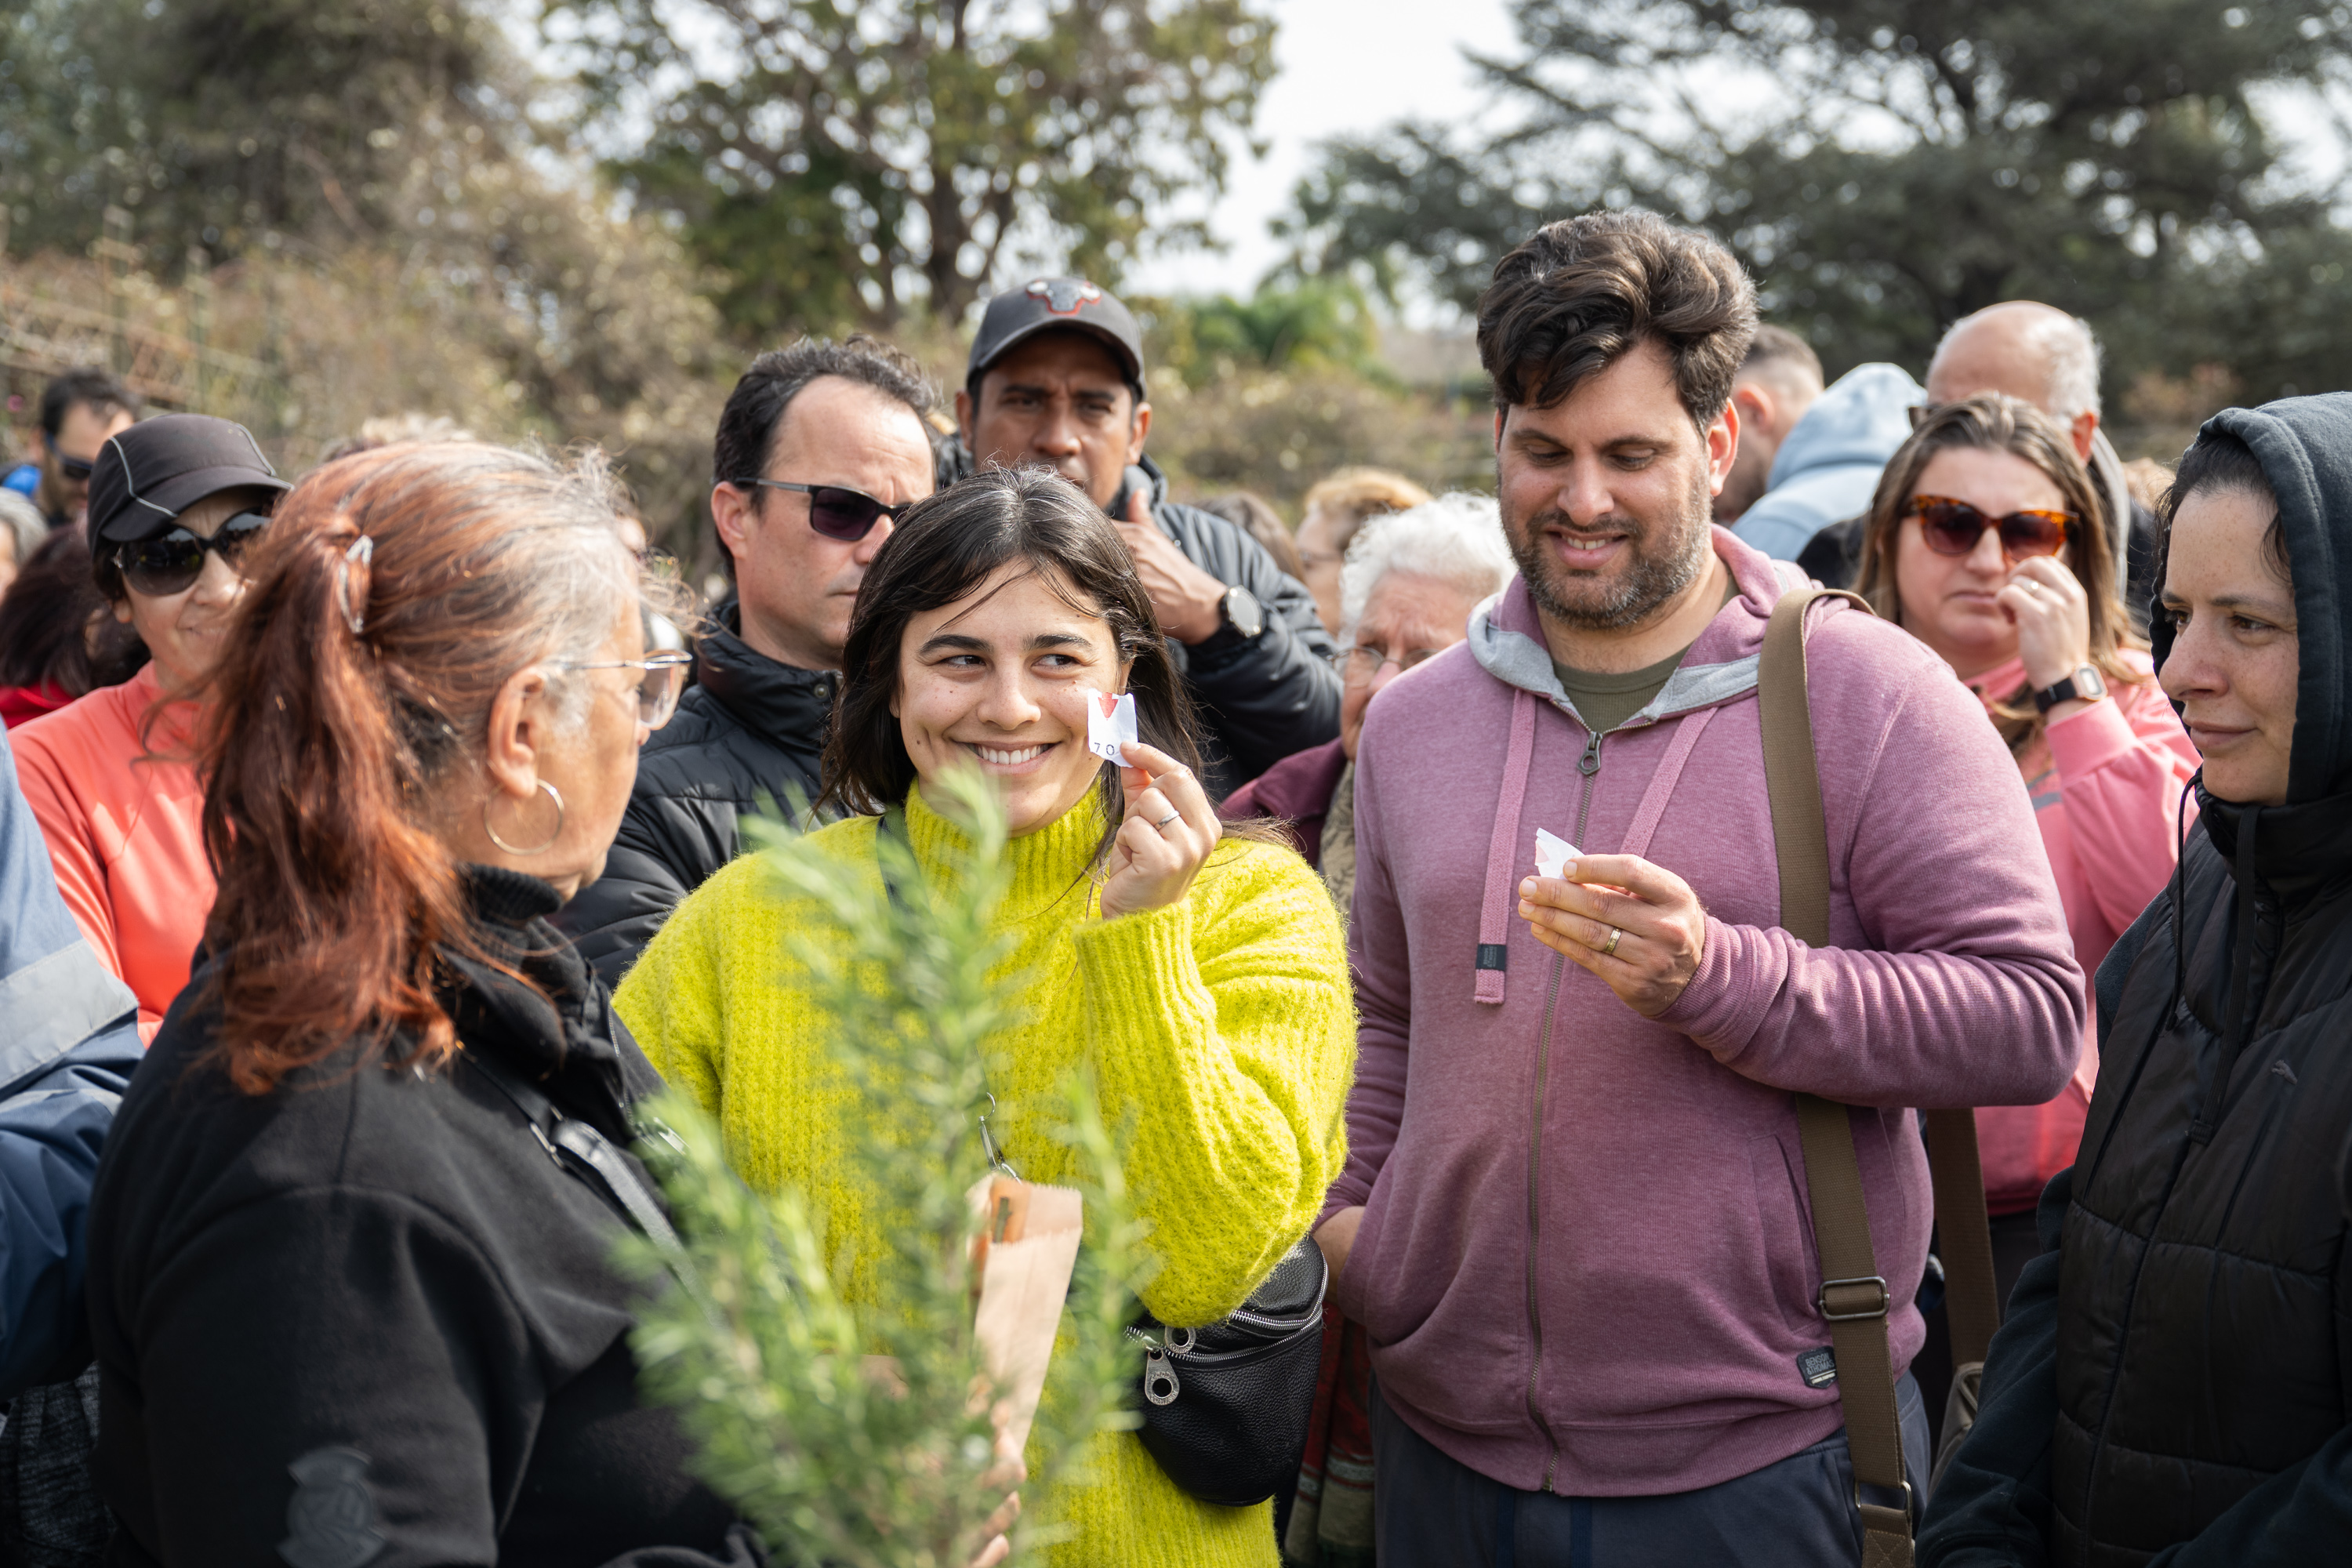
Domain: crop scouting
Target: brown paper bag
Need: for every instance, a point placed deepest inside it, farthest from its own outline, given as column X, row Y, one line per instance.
column 1026, row 1250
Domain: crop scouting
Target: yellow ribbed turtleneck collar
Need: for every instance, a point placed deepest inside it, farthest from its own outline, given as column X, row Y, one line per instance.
column 1048, row 866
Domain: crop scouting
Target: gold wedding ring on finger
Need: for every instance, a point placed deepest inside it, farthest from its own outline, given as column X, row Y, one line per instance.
column 1610, row 951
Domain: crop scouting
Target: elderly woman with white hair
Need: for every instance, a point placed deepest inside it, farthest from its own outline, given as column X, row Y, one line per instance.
column 1406, row 591
column 1411, row 580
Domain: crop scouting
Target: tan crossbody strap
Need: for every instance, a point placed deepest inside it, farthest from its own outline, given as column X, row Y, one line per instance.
column 1853, row 1297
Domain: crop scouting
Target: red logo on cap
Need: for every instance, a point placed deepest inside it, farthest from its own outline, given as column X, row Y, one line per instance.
column 1063, row 296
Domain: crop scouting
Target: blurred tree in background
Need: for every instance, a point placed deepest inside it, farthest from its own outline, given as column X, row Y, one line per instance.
column 362, row 193
column 577, row 220
column 842, row 164
column 1308, row 324
column 223, row 122
column 1886, row 166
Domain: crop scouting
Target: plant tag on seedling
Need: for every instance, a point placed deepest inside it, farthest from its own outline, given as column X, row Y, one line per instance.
column 1111, row 721
column 1551, row 853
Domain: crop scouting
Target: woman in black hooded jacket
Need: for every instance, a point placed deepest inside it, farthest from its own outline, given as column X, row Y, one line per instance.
column 2174, row 1382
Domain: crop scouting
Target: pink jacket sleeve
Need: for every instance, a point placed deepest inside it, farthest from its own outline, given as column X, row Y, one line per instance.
column 2122, row 764
column 1953, row 981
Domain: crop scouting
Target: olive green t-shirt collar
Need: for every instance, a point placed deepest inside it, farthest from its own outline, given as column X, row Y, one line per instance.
column 1605, row 701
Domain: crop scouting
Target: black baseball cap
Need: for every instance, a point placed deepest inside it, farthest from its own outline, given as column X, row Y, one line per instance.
column 145, row 478
column 1064, row 304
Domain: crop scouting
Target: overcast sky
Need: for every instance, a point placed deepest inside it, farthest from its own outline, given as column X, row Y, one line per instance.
column 1346, row 65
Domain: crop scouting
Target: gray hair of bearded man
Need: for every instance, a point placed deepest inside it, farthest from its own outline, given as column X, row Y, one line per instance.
column 1457, row 540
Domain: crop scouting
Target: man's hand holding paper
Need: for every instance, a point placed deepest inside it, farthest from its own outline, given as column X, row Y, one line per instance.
column 1636, row 926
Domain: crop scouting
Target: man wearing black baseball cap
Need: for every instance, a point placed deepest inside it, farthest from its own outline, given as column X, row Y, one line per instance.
column 174, row 504
column 1056, row 381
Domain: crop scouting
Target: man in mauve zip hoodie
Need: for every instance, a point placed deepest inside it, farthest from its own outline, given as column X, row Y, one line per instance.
column 1573, row 1217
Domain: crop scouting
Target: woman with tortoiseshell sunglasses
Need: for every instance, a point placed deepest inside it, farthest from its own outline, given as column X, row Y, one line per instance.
column 1982, row 541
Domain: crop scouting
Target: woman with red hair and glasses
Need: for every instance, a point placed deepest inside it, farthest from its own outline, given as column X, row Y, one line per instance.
column 346, row 1308
column 1983, row 542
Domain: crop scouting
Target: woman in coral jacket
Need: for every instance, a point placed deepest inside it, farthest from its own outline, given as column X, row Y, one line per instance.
column 1984, row 543
column 174, row 505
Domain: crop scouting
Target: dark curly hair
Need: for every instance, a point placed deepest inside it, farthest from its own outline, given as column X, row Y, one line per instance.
column 1579, row 295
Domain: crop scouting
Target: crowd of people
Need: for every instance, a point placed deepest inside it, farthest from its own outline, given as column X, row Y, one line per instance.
column 1473, row 902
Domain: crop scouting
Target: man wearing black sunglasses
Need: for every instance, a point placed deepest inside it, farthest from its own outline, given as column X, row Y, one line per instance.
column 81, row 410
column 821, row 448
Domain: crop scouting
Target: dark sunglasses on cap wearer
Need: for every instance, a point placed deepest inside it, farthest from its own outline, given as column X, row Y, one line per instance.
column 836, row 511
column 170, row 563
column 1953, row 527
column 658, row 688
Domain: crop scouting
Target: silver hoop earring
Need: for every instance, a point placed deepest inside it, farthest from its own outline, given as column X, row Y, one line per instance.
column 543, row 845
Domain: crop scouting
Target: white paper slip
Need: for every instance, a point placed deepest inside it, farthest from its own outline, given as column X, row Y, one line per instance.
column 1551, row 852
column 1110, row 720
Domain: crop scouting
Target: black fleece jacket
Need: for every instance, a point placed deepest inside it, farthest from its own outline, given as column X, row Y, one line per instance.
column 365, row 1320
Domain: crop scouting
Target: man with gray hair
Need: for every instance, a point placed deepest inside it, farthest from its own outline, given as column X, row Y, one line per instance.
column 1406, row 591
column 2050, row 358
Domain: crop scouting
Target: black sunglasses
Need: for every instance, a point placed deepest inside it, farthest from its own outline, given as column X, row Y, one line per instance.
column 836, row 511
column 76, row 469
column 170, row 563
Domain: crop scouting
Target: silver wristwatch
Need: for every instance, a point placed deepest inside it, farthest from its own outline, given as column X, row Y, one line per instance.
column 1243, row 612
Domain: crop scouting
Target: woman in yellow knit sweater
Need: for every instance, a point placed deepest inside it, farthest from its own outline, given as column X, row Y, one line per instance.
column 1203, row 976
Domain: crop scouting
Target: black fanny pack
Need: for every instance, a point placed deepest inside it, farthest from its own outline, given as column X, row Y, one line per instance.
column 1226, row 1407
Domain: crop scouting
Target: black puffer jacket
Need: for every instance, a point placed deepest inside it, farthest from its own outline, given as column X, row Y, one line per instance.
column 2175, row 1383
column 1261, row 698
column 749, row 731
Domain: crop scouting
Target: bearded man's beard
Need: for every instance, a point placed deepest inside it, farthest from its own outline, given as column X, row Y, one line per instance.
column 1667, row 557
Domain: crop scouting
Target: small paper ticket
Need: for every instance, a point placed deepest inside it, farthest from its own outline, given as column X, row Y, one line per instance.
column 1111, row 721
column 1551, row 852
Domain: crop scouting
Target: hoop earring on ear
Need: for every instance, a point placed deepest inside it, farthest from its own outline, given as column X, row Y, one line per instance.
column 543, row 845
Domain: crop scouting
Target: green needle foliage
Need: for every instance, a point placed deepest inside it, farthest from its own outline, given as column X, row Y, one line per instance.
column 837, row 1458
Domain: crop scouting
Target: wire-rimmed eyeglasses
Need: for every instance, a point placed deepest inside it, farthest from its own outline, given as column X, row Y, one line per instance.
column 657, row 692
column 1364, row 661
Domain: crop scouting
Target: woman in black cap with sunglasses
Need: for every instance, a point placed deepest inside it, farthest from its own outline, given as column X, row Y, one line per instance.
column 173, row 503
